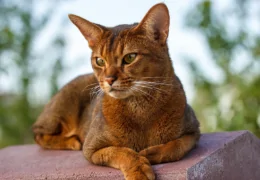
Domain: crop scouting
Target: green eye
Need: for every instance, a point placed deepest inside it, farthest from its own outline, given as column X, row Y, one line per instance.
column 129, row 58
column 100, row 62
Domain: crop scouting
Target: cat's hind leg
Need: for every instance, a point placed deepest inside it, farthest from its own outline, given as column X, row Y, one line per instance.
column 56, row 134
column 59, row 125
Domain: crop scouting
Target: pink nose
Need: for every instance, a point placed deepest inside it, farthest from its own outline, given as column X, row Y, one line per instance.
column 110, row 80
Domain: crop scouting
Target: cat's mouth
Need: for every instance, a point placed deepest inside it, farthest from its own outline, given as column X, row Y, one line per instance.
column 117, row 90
column 118, row 93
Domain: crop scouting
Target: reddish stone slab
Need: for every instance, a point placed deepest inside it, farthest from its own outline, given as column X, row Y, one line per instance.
column 227, row 155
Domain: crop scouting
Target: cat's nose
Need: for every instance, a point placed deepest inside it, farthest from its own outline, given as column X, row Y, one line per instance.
column 110, row 80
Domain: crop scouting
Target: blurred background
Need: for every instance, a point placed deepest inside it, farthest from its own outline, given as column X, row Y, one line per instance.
column 214, row 46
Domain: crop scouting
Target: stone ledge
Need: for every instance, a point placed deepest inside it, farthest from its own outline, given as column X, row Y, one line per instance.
column 227, row 155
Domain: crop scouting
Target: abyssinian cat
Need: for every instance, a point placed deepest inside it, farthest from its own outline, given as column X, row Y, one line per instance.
column 132, row 112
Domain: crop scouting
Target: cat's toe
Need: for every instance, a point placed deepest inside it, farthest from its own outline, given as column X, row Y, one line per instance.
column 141, row 171
column 74, row 144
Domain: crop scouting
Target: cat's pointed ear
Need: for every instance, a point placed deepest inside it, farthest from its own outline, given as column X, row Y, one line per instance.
column 156, row 23
column 90, row 31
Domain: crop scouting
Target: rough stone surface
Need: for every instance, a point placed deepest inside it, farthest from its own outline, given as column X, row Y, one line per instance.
column 218, row 156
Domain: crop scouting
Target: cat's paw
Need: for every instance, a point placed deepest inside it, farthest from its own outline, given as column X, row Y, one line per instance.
column 43, row 140
column 141, row 170
column 153, row 154
column 74, row 144
column 58, row 142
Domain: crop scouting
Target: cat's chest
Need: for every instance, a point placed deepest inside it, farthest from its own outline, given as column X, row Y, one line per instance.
column 130, row 136
column 140, row 136
column 138, row 128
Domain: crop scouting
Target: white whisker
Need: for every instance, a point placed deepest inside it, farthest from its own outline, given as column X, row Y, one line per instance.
column 157, row 78
column 100, row 92
column 152, row 88
column 94, row 92
column 86, row 88
column 143, row 92
column 152, row 83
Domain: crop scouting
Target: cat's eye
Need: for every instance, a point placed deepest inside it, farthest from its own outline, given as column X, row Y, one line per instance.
column 129, row 58
column 100, row 62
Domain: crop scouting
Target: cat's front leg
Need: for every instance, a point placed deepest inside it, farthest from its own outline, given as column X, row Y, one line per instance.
column 133, row 166
column 171, row 151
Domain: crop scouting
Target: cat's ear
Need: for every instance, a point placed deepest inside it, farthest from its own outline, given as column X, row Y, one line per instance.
column 90, row 31
column 156, row 23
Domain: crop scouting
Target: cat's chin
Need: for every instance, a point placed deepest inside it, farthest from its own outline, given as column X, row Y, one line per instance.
column 119, row 94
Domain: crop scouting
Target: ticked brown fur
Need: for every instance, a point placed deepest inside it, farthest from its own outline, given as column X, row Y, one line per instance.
column 137, row 113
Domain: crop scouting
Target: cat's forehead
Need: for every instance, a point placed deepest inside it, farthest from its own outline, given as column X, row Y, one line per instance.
column 115, row 41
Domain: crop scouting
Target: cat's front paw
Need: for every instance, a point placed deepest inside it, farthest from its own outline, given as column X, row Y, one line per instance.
column 141, row 170
column 153, row 154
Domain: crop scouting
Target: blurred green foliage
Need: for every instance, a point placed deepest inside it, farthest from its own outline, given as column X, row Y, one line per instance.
column 19, row 30
column 232, row 103
column 232, row 37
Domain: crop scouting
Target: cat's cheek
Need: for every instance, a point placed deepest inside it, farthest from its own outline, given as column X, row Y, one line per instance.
column 98, row 72
column 138, row 71
column 133, row 69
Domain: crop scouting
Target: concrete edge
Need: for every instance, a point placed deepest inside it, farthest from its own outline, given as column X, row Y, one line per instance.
column 201, row 169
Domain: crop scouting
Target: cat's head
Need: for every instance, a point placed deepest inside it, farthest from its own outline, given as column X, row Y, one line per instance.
column 129, row 59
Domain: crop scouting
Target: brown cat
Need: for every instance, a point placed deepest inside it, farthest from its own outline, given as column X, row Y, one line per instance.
column 132, row 111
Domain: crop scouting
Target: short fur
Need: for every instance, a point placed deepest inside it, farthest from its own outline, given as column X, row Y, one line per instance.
column 138, row 114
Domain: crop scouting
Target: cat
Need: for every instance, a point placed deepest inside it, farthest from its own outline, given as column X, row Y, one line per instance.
column 132, row 111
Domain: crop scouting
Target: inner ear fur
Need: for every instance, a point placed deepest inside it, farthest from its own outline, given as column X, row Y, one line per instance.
column 156, row 23
column 90, row 31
